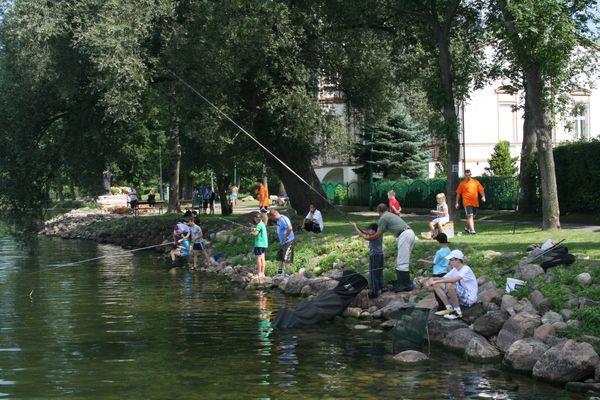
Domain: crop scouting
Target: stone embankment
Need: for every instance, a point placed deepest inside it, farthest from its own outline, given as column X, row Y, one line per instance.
column 526, row 335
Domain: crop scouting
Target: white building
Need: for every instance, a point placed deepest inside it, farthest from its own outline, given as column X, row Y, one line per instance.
column 492, row 115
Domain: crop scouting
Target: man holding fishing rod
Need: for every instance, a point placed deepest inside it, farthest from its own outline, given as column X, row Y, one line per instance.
column 395, row 225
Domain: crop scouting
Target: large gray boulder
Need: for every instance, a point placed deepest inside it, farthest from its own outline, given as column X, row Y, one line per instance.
column 493, row 295
column 318, row 285
column 410, row 357
column 523, row 354
column 470, row 314
column 567, row 362
column 528, row 271
column 479, row 349
column 440, row 327
column 391, row 310
column 490, row 323
column 459, row 339
column 584, row 279
column 543, row 331
column 552, row 317
column 296, row 283
column 519, row 326
column 508, row 304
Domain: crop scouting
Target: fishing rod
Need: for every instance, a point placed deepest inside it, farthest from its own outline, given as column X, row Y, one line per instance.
column 110, row 255
column 262, row 146
column 529, row 260
column 236, row 223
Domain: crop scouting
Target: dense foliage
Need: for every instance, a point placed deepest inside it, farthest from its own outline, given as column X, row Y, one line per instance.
column 501, row 163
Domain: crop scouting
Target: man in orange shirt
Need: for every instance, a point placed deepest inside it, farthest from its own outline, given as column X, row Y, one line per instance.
column 469, row 190
column 263, row 197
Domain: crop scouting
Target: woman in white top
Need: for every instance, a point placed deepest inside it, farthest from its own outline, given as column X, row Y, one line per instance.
column 313, row 221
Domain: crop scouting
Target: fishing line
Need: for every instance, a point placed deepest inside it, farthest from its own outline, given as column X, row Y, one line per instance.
column 108, row 256
column 262, row 146
column 235, row 223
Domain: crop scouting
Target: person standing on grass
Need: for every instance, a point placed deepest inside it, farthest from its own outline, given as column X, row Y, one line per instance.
column 469, row 190
column 263, row 196
column 211, row 201
column 285, row 233
column 393, row 203
column 198, row 242
column 261, row 243
column 313, row 221
column 205, row 198
column 395, row 225
column 457, row 288
column 233, row 196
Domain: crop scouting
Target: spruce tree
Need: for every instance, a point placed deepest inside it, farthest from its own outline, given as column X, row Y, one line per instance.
column 501, row 163
column 396, row 149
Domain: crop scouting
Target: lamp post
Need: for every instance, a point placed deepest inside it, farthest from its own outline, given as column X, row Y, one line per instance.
column 371, row 172
column 160, row 176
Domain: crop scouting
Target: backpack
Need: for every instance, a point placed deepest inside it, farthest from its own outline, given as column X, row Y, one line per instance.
column 557, row 256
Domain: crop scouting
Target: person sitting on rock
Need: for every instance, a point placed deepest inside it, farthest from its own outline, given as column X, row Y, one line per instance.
column 455, row 289
column 439, row 261
column 313, row 221
column 182, row 250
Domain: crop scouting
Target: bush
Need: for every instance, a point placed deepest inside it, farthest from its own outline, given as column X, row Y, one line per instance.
column 576, row 175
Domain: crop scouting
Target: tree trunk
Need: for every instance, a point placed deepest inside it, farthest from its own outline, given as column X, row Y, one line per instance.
column 174, row 156
column 265, row 177
column 281, row 188
column 541, row 124
column 188, row 187
column 72, row 192
column 59, row 188
column 527, row 201
column 449, row 115
column 222, row 187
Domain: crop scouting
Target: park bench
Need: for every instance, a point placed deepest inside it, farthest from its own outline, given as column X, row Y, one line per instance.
column 145, row 206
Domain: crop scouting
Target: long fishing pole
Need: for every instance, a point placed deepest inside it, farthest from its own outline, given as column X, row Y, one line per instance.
column 235, row 223
column 110, row 255
column 262, row 146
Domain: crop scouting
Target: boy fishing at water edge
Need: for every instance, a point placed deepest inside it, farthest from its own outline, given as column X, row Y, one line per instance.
column 182, row 250
column 375, row 260
column 261, row 243
column 285, row 232
column 457, row 288
column 198, row 240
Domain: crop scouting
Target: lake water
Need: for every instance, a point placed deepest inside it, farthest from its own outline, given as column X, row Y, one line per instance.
column 126, row 327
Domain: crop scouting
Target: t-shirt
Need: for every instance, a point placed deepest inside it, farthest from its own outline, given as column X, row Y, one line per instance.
column 440, row 264
column 282, row 226
column 262, row 239
column 468, row 281
column 442, row 210
column 196, row 231
column 234, row 190
column 263, row 195
column 186, row 248
column 317, row 217
column 182, row 228
column 205, row 193
column 469, row 191
column 394, row 203
column 392, row 223
column 376, row 246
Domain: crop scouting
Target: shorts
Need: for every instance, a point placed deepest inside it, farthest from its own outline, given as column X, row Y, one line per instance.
column 204, row 203
column 286, row 253
column 233, row 197
column 133, row 203
column 470, row 210
column 259, row 251
column 463, row 296
column 199, row 246
column 263, row 209
column 441, row 220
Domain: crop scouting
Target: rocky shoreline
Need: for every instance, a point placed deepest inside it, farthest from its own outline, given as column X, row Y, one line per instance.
column 526, row 335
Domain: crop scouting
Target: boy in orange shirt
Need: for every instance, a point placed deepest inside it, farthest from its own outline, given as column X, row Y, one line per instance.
column 263, row 197
column 469, row 190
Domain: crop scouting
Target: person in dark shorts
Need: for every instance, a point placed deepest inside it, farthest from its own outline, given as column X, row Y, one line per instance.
column 285, row 232
column 376, row 260
column 211, row 201
column 469, row 191
column 261, row 243
column 151, row 198
column 198, row 242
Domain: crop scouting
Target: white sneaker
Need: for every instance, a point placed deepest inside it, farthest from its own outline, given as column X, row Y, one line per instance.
column 453, row 315
column 444, row 312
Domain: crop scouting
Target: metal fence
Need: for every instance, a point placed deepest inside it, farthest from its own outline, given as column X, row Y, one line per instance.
column 501, row 192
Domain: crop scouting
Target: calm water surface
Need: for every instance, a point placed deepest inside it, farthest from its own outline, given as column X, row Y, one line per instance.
column 125, row 327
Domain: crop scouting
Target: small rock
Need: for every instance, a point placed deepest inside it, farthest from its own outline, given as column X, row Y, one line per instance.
column 568, row 362
column 519, row 326
column 551, row 317
column 390, row 323
column 353, row 312
column 543, row 331
column 490, row 323
column 427, row 302
column 508, row 304
column 587, row 302
column 566, row 313
column 493, row 295
column 372, row 309
column 377, row 314
column 528, row 271
column 490, row 254
column 523, row 354
column 524, row 305
column 552, row 341
column 470, row 314
column 573, row 324
column 360, row 327
column 584, row 279
column 560, row 326
column 366, row 314
column 410, row 356
column 539, row 301
column 584, row 387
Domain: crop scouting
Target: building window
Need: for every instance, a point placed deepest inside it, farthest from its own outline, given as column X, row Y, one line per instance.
column 507, row 122
column 581, row 120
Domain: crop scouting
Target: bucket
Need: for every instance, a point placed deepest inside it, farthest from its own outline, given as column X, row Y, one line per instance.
column 513, row 284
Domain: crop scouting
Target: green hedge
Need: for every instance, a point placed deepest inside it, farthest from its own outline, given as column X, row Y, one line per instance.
column 577, row 175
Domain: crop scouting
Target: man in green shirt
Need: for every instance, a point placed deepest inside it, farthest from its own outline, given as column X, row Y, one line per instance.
column 395, row 225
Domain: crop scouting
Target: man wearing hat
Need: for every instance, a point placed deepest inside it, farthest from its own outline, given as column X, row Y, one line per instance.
column 457, row 288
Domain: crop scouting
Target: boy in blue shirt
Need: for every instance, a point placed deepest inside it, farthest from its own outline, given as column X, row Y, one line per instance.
column 285, row 233
column 440, row 264
column 182, row 250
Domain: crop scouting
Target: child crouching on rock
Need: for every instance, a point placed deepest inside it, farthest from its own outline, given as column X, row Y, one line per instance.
column 182, row 250
column 375, row 260
column 457, row 288
column 261, row 243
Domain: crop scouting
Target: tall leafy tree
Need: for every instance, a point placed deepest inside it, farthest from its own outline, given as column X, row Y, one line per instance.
column 547, row 41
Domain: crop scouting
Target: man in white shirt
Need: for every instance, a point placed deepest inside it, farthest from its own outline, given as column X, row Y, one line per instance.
column 313, row 221
column 458, row 287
